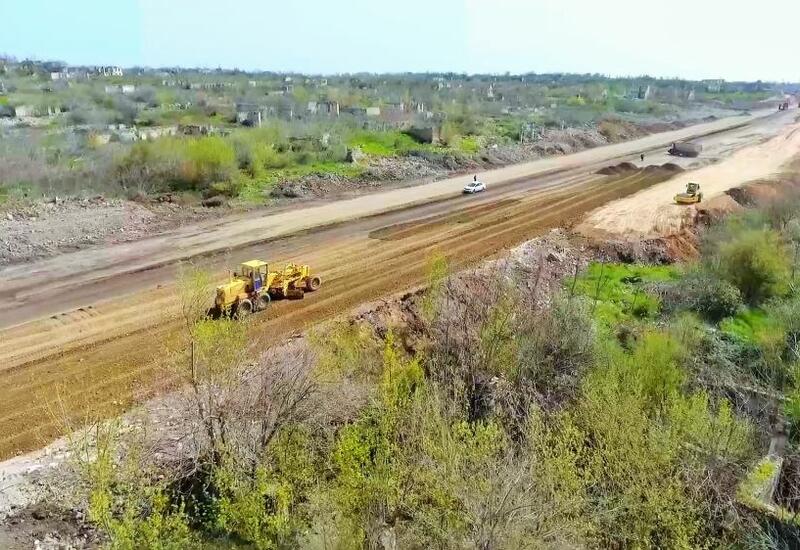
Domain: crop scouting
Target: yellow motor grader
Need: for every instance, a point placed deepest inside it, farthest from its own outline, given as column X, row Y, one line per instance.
column 255, row 286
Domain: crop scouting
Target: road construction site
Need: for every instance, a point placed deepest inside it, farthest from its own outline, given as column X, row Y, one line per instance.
column 84, row 334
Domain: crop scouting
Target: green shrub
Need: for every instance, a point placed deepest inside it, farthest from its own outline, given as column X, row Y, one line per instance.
column 657, row 359
column 469, row 145
column 576, row 101
column 151, row 166
column 557, row 346
column 126, row 498
column 209, row 159
column 267, row 506
column 766, row 334
column 791, row 408
column 450, row 134
column 654, row 467
column 709, row 296
column 755, row 261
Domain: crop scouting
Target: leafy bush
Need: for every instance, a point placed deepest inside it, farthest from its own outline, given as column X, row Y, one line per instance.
column 469, row 145
column 209, row 159
column 557, row 345
column 755, row 261
column 268, row 506
column 450, row 134
column 576, row 101
column 127, row 499
column 150, row 166
column 709, row 296
column 652, row 470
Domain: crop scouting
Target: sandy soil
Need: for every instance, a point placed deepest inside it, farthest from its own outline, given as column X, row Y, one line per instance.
column 653, row 212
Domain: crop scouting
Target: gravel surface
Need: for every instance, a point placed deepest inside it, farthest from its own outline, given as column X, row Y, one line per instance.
column 39, row 230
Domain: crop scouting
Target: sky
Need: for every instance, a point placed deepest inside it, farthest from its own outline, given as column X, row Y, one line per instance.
column 686, row 38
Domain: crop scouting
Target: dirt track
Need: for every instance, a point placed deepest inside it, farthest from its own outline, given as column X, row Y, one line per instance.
column 653, row 212
column 99, row 358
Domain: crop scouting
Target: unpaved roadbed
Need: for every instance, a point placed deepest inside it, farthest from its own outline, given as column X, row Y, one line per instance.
column 653, row 212
column 103, row 359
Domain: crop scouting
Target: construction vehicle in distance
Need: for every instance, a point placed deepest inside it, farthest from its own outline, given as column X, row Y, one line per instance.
column 691, row 196
column 685, row 149
column 255, row 286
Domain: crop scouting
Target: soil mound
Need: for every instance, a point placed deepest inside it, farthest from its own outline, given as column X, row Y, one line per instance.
column 667, row 168
column 662, row 250
column 671, row 167
column 618, row 169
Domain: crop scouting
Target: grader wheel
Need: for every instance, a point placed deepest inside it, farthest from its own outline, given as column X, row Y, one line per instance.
column 313, row 283
column 295, row 294
column 243, row 309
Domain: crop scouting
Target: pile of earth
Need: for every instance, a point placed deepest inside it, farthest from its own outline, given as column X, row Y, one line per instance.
column 618, row 169
column 624, row 168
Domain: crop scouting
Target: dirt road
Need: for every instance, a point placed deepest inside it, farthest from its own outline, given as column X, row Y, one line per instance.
column 101, row 356
column 653, row 212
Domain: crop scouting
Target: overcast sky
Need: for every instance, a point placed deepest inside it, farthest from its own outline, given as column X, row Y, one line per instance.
column 687, row 38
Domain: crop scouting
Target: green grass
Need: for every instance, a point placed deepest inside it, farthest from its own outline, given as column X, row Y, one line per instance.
column 619, row 290
column 384, row 144
column 730, row 97
column 10, row 193
column 253, row 188
column 469, row 145
column 747, row 325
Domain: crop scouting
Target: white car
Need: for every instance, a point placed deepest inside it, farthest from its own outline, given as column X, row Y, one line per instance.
column 475, row 186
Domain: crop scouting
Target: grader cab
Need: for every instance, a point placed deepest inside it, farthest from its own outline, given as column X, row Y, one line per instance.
column 255, row 286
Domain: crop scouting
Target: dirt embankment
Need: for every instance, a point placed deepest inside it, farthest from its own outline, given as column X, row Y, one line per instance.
column 628, row 168
column 683, row 245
